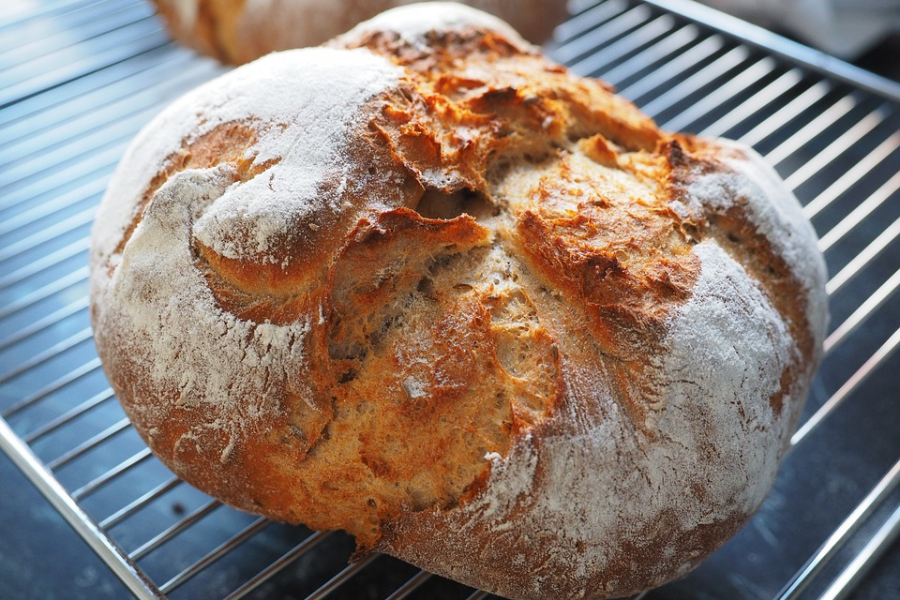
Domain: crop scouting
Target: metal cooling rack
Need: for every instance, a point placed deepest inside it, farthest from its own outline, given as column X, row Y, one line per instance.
column 79, row 77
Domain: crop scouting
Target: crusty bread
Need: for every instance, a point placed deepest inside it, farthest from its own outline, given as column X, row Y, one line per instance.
column 431, row 288
column 238, row 31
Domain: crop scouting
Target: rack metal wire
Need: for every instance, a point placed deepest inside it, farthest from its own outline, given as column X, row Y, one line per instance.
column 79, row 77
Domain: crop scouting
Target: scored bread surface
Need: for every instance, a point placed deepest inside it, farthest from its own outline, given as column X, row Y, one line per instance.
column 427, row 286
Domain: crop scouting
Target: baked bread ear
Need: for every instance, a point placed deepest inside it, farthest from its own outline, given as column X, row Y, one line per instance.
column 238, row 31
column 429, row 287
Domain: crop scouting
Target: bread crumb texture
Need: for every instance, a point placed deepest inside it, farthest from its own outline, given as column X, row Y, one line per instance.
column 426, row 286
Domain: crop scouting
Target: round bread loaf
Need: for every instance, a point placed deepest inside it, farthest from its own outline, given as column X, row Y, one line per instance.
column 427, row 286
column 238, row 31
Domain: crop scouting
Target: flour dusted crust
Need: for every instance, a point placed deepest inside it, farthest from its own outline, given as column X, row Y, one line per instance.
column 238, row 31
column 426, row 286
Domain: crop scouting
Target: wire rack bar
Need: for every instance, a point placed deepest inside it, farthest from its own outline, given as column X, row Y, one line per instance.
column 117, row 471
column 83, row 93
column 220, row 551
column 92, row 91
column 17, row 14
column 88, row 132
column 48, row 261
column 73, row 375
column 50, row 320
column 749, row 107
column 622, row 23
column 97, row 164
column 70, row 280
column 133, row 578
column 139, row 503
column 841, row 535
column 787, row 113
column 88, row 107
column 89, row 445
column 846, row 225
column 862, row 563
column 794, row 52
column 68, row 416
column 674, row 68
column 118, row 136
column 823, row 121
column 33, row 144
column 593, row 17
column 86, row 26
column 726, row 93
column 342, row 577
column 125, row 46
column 668, row 46
column 865, row 310
column 624, row 44
column 628, row 43
column 861, row 260
column 410, row 586
column 77, row 18
column 735, row 85
column 875, row 361
column 170, row 532
column 48, row 354
column 91, row 191
column 56, row 230
column 704, row 76
column 836, row 148
column 852, row 176
column 21, row 62
column 754, row 104
column 276, row 567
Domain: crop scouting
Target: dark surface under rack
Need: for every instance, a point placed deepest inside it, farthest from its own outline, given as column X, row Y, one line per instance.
column 78, row 78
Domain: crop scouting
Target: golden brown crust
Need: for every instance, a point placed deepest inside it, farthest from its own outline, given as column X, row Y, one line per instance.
column 523, row 338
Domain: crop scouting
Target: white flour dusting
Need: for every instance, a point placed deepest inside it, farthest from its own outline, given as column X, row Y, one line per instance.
column 176, row 331
column 157, row 304
column 413, row 23
column 582, row 492
column 302, row 119
column 311, row 113
column 775, row 212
